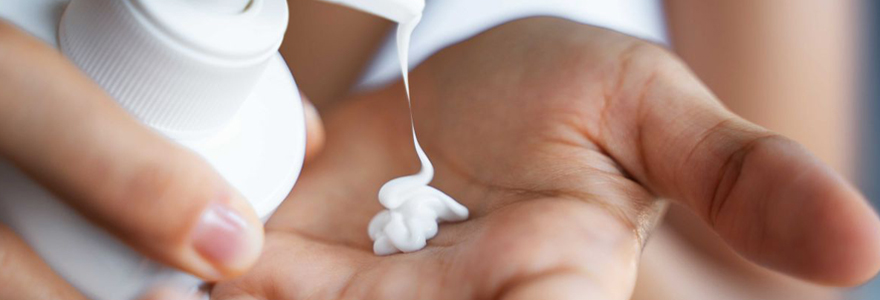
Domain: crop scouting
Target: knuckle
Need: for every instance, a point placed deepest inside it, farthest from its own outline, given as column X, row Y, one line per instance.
column 641, row 51
column 729, row 177
column 641, row 64
column 739, row 219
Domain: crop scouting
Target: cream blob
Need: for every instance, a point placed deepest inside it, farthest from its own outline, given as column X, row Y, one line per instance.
column 413, row 209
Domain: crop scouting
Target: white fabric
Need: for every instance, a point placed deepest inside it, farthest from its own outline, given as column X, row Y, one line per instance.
column 446, row 22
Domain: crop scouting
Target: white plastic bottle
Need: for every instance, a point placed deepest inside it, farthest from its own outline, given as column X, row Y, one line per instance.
column 206, row 74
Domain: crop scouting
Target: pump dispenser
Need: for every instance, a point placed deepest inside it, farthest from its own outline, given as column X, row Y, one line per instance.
column 204, row 73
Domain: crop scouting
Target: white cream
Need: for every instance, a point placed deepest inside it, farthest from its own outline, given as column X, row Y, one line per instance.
column 413, row 209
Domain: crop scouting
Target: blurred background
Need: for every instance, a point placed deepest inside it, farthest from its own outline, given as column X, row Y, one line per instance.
column 870, row 173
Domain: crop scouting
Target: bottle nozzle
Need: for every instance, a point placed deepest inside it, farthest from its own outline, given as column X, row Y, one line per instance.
column 399, row 11
column 221, row 6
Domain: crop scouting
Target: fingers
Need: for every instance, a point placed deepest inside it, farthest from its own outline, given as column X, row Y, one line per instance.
column 314, row 129
column 24, row 276
column 768, row 197
column 62, row 130
column 169, row 294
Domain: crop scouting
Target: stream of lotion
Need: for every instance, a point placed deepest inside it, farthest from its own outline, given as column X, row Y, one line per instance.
column 413, row 209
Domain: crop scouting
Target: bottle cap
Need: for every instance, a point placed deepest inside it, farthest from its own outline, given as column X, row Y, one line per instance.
column 183, row 67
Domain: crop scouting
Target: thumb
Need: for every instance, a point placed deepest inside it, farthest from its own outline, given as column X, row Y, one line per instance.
column 767, row 196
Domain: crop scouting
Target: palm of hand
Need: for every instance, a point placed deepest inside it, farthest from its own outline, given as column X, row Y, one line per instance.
column 547, row 206
column 517, row 123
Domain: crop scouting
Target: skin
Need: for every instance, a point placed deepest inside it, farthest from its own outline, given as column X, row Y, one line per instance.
column 592, row 127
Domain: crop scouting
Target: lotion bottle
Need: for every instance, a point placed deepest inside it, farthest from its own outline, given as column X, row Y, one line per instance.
column 204, row 73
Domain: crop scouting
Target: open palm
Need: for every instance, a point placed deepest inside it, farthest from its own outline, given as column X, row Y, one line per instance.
column 559, row 138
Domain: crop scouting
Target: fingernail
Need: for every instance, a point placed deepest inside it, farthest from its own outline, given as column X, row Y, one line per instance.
column 221, row 236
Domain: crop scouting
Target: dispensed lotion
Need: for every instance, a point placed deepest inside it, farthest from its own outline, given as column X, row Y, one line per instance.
column 413, row 209
column 206, row 74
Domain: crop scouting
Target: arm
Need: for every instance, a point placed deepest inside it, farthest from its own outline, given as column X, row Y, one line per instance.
column 786, row 65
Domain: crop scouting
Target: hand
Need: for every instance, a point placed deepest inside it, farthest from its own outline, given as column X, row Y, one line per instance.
column 559, row 138
column 65, row 132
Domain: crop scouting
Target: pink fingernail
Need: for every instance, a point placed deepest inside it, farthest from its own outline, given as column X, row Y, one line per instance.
column 221, row 235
